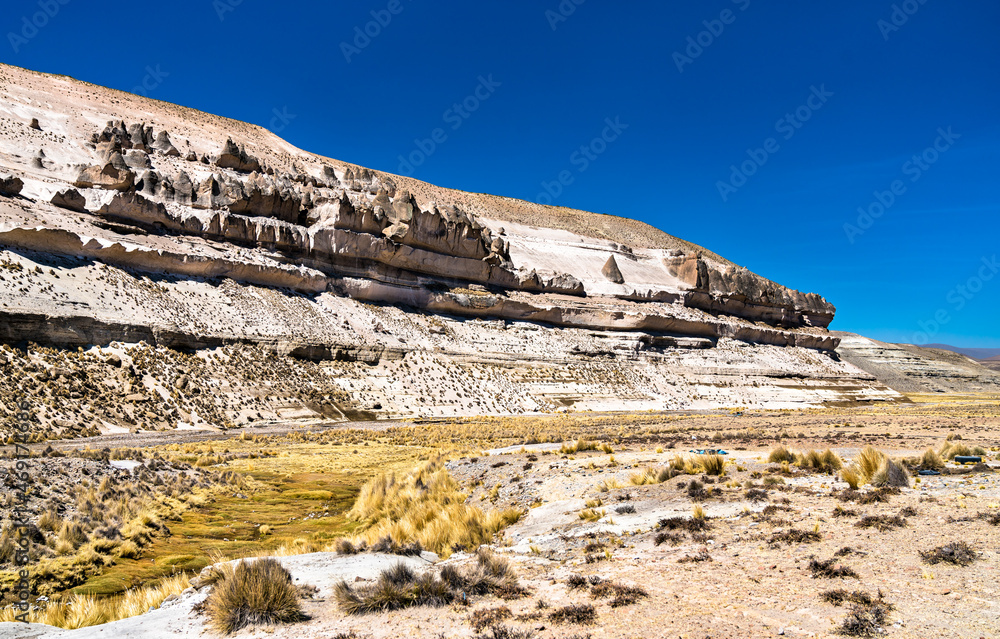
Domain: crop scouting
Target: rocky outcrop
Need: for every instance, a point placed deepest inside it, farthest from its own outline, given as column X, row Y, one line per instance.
column 611, row 271
column 236, row 158
column 10, row 186
column 70, row 199
column 107, row 177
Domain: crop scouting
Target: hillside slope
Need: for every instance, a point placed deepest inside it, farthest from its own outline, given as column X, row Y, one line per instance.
column 126, row 221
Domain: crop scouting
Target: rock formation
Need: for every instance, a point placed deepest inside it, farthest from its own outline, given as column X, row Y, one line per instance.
column 316, row 241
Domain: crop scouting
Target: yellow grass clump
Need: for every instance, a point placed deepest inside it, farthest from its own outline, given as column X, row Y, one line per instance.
column 81, row 611
column 427, row 507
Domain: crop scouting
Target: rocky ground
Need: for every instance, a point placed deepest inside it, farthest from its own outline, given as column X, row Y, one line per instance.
column 773, row 541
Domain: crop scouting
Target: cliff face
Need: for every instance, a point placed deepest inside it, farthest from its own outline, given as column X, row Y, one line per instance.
column 112, row 180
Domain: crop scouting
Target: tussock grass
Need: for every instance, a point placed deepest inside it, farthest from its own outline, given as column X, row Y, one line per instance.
column 81, row 611
column 399, row 587
column 427, row 507
column 931, row 460
column 253, row 593
column 950, row 450
column 869, row 461
column 712, row 464
column 781, row 454
column 649, row 476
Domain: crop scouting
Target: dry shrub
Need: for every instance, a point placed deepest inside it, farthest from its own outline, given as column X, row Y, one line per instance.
column 619, row 594
column 882, row 523
column 488, row 617
column 794, row 536
column 684, row 523
column 674, row 539
column 958, row 553
column 253, row 593
column 576, row 581
column 830, row 569
column 578, row 614
column 840, row 597
column 399, row 587
column 866, row 620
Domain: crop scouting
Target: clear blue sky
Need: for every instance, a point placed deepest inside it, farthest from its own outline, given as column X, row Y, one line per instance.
column 864, row 97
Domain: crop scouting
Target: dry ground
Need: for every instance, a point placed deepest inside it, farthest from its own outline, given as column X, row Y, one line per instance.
column 738, row 577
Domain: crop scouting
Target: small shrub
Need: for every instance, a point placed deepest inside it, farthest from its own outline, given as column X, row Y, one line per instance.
column 840, row 597
column 830, row 569
column 794, row 536
column 840, row 511
column 487, row 617
column 702, row 555
column 755, row 495
column 958, row 553
column 991, row 518
column 620, row 595
column 882, row 523
column 865, row 620
column 576, row 581
column 625, row 509
column 673, row 539
column 578, row 614
column 684, row 523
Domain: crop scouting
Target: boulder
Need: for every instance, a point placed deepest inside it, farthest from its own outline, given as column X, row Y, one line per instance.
column 70, row 199
column 10, row 186
column 35, row 125
column 105, row 177
column 612, row 272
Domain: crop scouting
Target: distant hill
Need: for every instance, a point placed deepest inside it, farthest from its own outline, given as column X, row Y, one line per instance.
column 974, row 353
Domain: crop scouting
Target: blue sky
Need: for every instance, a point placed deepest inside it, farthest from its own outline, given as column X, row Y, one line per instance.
column 820, row 107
